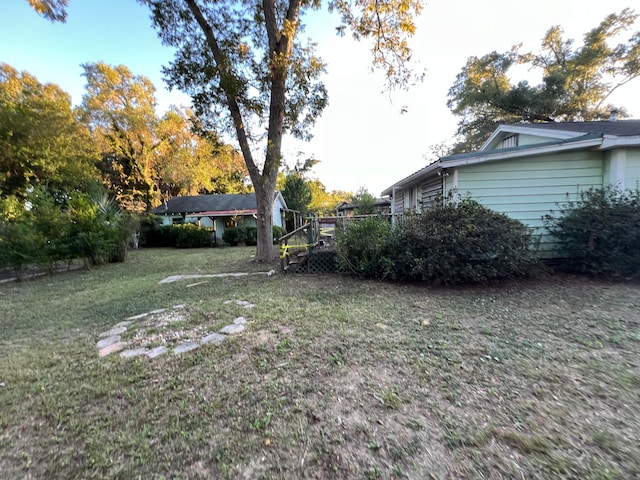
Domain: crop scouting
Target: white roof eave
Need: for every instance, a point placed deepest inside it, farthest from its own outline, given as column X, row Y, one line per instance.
column 413, row 178
column 543, row 150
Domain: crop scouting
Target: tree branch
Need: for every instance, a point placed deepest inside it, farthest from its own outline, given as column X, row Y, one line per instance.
column 225, row 73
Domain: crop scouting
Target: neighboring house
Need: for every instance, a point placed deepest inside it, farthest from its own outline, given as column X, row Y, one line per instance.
column 525, row 170
column 346, row 209
column 218, row 211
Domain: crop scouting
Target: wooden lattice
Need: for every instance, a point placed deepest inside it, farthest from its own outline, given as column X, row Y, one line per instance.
column 320, row 262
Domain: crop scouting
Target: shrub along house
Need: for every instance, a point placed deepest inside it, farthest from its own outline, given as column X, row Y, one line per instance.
column 218, row 211
column 526, row 170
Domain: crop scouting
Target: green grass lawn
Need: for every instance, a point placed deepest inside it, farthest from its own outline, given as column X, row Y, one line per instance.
column 332, row 378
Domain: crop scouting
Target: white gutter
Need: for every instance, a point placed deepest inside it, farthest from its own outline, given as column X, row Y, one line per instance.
column 595, row 142
column 411, row 178
column 612, row 141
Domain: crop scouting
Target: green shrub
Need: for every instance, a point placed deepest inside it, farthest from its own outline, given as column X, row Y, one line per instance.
column 364, row 247
column 248, row 235
column 232, row 236
column 599, row 233
column 193, row 236
column 463, row 242
column 154, row 234
column 100, row 231
column 46, row 232
column 277, row 233
column 20, row 244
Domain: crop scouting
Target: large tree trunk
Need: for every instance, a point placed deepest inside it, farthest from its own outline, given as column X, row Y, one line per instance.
column 265, row 199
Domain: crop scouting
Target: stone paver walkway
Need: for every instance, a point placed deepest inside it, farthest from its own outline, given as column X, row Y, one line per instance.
column 111, row 341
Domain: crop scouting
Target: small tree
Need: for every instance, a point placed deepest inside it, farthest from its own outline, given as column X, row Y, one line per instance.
column 365, row 202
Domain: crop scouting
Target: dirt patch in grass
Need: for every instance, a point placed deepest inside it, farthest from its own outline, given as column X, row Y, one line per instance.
column 339, row 378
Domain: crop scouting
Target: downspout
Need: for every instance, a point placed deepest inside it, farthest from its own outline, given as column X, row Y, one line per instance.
column 393, row 205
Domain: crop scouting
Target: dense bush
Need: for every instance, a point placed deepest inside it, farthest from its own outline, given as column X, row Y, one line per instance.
column 44, row 230
column 450, row 243
column 233, row 236
column 463, row 242
column 192, row 236
column 247, row 235
column 365, row 247
column 154, row 234
column 599, row 233
column 277, row 233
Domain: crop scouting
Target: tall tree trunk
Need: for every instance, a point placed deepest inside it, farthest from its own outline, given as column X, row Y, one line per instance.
column 264, row 249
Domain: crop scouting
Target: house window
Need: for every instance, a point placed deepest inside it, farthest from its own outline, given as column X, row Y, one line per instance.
column 411, row 199
column 510, row 141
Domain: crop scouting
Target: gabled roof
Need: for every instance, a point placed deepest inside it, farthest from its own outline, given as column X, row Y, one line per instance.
column 222, row 204
column 619, row 128
column 565, row 130
column 601, row 135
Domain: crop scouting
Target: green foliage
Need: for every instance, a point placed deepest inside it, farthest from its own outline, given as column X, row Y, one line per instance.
column 365, row 247
column 576, row 82
column 154, row 234
column 248, row 235
column 193, row 236
column 599, row 233
column 297, row 192
column 450, row 243
column 366, row 203
column 277, row 233
column 42, row 145
column 463, row 242
column 43, row 232
column 99, row 233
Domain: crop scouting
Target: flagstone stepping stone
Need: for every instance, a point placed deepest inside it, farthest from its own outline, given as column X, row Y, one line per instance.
column 157, row 351
column 114, row 331
column 245, row 304
column 122, row 324
column 105, row 342
column 111, row 341
column 213, row 338
column 232, row 329
column 134, row 352
column 109, row 349
column 185, row 347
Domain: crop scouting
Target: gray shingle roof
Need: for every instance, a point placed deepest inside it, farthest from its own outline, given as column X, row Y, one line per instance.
column 621, row 128
column 207, row 203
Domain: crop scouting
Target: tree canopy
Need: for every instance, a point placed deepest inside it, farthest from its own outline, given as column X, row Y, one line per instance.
column 576, row 81
column 146, row 159
column 42, row 145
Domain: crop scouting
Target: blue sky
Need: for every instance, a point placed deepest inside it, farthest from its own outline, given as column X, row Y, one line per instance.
column 362, row 139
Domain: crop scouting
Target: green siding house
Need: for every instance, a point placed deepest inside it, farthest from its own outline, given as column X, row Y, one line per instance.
column 525, row 170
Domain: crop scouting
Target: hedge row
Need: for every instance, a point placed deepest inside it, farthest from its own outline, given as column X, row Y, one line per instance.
column 464, row 242
column 450, row 243
column 154, row 234
column 48, row 232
